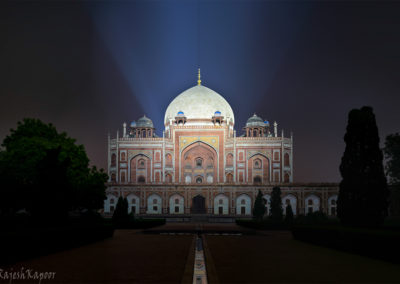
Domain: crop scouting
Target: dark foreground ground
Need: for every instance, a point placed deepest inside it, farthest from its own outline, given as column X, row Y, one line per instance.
column 128, row 257
column 267, row 257
column 276, row 257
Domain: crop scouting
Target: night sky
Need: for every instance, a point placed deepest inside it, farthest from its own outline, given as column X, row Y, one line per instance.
column 89, row 66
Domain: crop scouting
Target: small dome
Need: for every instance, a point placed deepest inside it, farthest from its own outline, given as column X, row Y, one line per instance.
column 255, row 121
column 133, row 124
column 180, row 113
column 217, row 113
column 266, row 123
column 144, row 122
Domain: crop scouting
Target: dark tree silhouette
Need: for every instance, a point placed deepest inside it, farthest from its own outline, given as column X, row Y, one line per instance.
column 289, row 214
column 392, row 154
column 276, row 205
column 121, row 217
column 259, row 207
column 363, row 194
column 46, row 173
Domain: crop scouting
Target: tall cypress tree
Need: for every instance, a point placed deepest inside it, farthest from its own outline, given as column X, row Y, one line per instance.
column 120, row 217
column 276, row 204
column 363, row 194
column 259, row 207
column 289, row 214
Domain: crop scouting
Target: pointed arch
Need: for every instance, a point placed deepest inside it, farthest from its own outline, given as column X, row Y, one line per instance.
column 243, row 205
column 176, row 204
column 221, row 204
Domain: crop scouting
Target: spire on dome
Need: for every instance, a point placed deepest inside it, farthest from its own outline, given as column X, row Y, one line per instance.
column 199, row 80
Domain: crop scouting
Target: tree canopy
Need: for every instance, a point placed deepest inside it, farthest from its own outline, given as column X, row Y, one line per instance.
column 44, row 170
column 392, row 155
column 363, row 194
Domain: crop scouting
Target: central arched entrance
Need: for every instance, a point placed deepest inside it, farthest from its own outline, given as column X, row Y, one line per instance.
column 198, row 205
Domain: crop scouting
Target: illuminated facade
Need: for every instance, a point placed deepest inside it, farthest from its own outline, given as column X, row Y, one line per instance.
column 201, row 165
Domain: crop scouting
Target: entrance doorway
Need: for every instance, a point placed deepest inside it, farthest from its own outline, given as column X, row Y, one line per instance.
column 198, row 205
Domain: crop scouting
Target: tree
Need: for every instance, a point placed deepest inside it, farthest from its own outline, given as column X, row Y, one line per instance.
column 276, row 204
column 363, row 194
column 45, row 172
column 259, row 207
column 392, row 155
column 121, row 217
column 289, row 214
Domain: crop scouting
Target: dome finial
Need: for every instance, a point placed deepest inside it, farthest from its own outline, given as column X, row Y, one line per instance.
column 199, row 80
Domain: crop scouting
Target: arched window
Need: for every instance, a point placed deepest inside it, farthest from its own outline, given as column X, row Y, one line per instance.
column 123, row 156
column 168, row 178
column 220, row 201
column 133, row 201
column 168, row 160
column 141, row 164
column 122, row 176
column 199, row 180
column 229, row 178
column 112, row 201
column 257, row 180
column 141, row 179
column 287, row 160
column 155, row 201
column 241, row 179
column 287, row 178
column 113, row 160
column 176, row 201
column 257, row 164
column 199, row 162
column 276, row 176
column 276, row 156
column 310, row 206
column 229, row 160
column 113, row 177
column 243, row 201
column 241, row 156
column 332, row 202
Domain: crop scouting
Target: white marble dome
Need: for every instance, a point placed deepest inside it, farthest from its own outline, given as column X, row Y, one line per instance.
column 199, row 102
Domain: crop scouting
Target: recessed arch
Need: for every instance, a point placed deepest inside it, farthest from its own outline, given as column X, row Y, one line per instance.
column 221, row 204
column 243, row 205
column 133, row 203
column 198, row 160
column 293, row 203
column 312, row 203
column 176, row 204
column 154, row 204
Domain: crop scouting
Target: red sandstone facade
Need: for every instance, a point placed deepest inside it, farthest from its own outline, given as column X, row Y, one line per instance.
column 200, row 166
